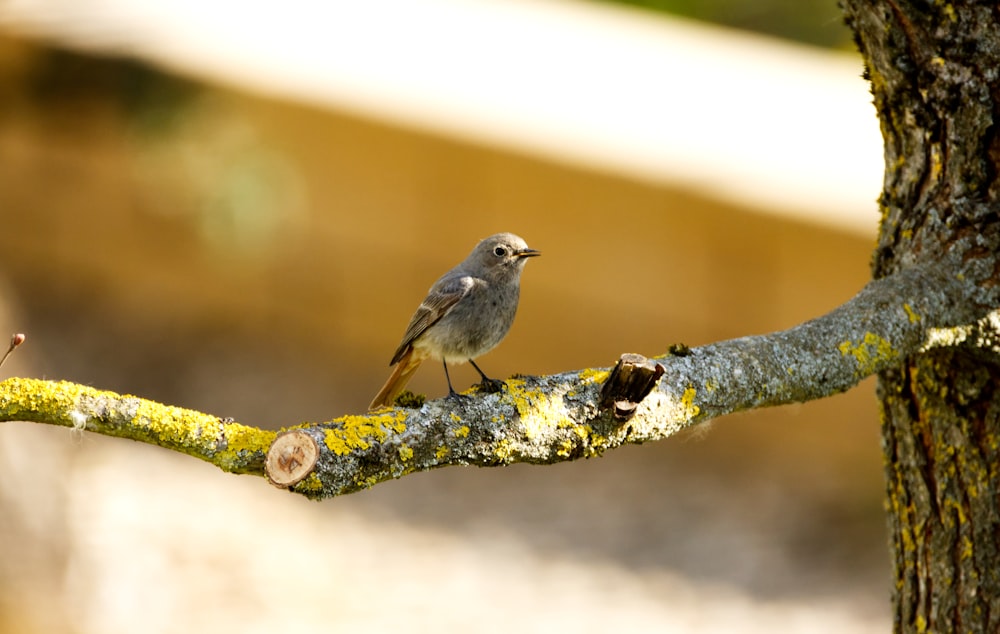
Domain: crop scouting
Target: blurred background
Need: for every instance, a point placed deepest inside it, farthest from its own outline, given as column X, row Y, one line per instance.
column 236, row 206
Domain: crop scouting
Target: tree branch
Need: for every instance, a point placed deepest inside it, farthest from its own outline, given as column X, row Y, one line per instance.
column 546, row 419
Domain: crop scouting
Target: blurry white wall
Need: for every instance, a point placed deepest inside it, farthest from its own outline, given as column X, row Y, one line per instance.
column 779, row 127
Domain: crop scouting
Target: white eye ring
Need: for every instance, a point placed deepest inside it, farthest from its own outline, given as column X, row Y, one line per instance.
column 499, row 252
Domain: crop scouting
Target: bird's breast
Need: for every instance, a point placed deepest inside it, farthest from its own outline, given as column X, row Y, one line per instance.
column 474, row 326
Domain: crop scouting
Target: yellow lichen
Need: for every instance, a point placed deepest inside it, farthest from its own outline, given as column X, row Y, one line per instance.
column 596, row 446
column 537, row 410
column 228, row 445
column 410, row 400
column 242, row 439
column 954, row 505
column 441, row 452
column 685, row 408
column 868, row 353
column 966, row 548
column 591, row 375
column 504, row 450
column 360, row 432
column 687, row 402
column 462, row 431
column 312, row 484
column 911, row 314
column 405, row 452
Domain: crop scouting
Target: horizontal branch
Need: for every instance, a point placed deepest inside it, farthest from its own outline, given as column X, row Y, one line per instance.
column 228, row 445
column 543, row 419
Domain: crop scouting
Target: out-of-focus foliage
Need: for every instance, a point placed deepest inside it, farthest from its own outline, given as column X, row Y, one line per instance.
column 152, row 100
column 811, row 21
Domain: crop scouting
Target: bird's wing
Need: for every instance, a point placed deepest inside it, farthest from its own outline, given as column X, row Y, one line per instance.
column 440, row 299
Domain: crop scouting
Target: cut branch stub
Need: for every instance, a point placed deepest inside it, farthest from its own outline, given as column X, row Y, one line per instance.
column 631, row 380
column 291, row 458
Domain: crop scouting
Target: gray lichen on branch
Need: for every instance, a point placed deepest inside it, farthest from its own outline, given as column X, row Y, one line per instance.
column 544, row 419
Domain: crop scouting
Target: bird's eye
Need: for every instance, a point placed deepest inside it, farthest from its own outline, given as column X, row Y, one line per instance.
column 499, row 252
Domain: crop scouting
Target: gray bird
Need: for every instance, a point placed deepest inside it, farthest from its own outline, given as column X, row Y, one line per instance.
column 466, row 314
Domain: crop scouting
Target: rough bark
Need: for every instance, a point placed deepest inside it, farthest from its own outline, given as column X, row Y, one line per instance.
column 935, row 77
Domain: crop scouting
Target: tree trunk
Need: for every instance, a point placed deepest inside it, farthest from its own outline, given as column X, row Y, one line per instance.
column 934, row 69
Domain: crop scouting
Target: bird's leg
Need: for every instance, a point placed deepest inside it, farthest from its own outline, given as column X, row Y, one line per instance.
column 488, row 384
column 451, row 391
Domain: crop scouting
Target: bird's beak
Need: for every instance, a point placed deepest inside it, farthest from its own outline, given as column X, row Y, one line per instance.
column 528, row 253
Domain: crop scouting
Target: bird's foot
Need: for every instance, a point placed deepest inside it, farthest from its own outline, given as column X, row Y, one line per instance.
column 491, row 386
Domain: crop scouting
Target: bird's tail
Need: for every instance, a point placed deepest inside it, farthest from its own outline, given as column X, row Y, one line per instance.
column 407, row 365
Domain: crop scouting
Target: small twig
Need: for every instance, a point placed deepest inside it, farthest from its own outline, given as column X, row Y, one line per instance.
column 15, row 340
